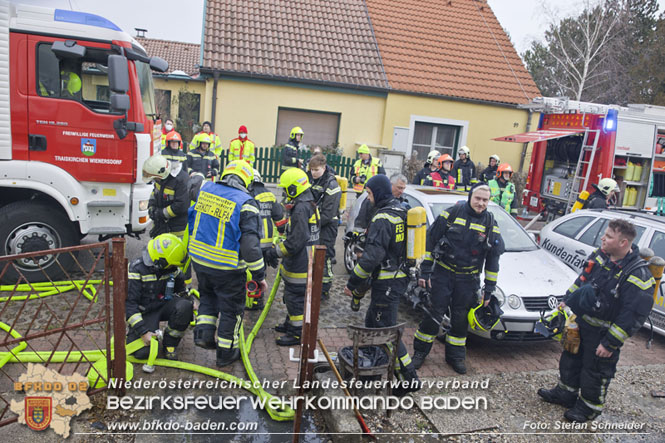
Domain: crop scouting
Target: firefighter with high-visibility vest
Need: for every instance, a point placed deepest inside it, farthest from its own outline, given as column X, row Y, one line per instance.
column 327, row 194
column 440, row 175
column 173, row 148
column 381, row 270
column 302, row 232
column 461, row 241
column 169, row 200
column 168, row 127
column 503, row 190
column 464, row 170
column 202, row 160
column 290, row 152
column 272, row 219
column 215, row 141
column 224, row 242
column 242, row 148
column 155, row 292
column 365, row 168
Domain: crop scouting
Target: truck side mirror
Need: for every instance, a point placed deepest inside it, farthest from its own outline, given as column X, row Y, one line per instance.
column 158, row 64
column 118, row 74
column 119, row 102
column 68, row 49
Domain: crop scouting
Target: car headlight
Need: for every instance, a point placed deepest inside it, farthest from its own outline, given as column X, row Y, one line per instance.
column 514, row 301
column 143, row 205
column 500, row 296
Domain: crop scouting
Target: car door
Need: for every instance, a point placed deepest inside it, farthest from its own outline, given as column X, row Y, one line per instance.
column 657, row 244
column 562, row 240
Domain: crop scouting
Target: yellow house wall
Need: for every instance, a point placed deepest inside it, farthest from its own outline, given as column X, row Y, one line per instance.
column 484, row 123
column 176, row 86
column 256, row 104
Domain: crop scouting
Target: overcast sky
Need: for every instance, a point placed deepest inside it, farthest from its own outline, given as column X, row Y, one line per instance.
column 181, row 20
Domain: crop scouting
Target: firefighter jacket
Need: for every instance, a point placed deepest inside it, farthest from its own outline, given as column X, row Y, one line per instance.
column 489, row 173
column 242, row 150
column 624, row 296
column 327, row 195
column 204, row 162
column 290, row 154
column 145, row 290
column 503, row 194
column 462, row 241
column 364, row 170
column 174, row 155
column 170, row 196
column 464, row 173
column 224, row 230
column 597, row 200
column 385, row 246
column 302, row 231
column 215, row 146
column 271, row 213
column 421, row 175
column 440, row 179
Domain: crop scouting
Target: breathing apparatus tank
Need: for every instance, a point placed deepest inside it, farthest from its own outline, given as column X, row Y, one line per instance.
column 416, row 233
column 581, row 199
column 343, row 183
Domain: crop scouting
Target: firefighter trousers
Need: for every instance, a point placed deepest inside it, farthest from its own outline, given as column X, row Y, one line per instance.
column 459, row 292
column 222, row 294
column 328, row 238
column 294, row 297
column 177, row 312
column 587, row 373
column 382, row 312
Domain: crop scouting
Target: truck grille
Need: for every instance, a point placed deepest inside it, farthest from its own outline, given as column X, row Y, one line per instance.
column 539, row 303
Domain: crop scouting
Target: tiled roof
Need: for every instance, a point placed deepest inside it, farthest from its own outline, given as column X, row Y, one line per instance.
column 451, row 48
column 327, row 41
column 181, row 56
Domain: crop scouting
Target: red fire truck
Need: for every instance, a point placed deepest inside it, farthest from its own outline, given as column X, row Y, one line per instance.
column 577, row 143
column 77, row 108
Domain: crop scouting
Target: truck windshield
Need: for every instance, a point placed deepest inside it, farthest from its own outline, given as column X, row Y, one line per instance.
column 147, row 87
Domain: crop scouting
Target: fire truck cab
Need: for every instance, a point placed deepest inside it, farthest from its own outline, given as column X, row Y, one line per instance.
column 76, row 118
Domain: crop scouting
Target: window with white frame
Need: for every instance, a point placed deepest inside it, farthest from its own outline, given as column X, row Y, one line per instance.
column 430, row 136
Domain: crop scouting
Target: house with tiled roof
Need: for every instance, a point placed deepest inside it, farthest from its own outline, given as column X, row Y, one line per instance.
column 407, row 76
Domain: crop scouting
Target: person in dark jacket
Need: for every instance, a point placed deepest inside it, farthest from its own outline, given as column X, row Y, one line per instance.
column 424, row 172
column 460, row 242
column 605, row 191
column 327, row 194
column 154, row 293
column 611, row 298
column 440, row 175
column 464, row 170
column 380, row 268
column 172, row 150
column 202, row 159
column 169, row 201
column 367, row 208
column 489, row 173
column 302, row 232
column 290, row 152
column 224, row 245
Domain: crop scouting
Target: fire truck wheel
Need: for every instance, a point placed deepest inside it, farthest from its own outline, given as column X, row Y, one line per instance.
column 27, row 226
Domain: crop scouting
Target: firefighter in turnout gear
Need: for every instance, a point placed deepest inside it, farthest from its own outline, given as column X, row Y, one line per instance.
column 154, row 294
column 611, row 298
column 503, row 190
column 242, row 148
column 440, row 175
column 464, row 170
column 489, row 173
column 605, row 190
column 202, row 160
column 327, row 195
column 173, row 148
column 380, row 268
column 424, row 172
column 215, row 141
column 302, row 232
column 224, row 242
column 169, row 200
column 272, row 218
column 462, row 240
column 365, row 168
column 290, row 152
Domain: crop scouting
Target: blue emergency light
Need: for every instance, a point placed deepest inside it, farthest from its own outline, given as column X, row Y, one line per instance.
column 84, row 18
column 610, row 123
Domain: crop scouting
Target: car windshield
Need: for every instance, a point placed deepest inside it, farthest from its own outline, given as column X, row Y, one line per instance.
column 515, row 238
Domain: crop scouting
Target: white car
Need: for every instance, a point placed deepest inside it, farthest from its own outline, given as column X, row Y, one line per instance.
column 530, row 279
column 573, row 237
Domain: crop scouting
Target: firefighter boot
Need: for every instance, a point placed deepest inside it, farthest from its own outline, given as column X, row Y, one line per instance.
column 418, row 359
column 577, row 415
column 458, row 365
column 227, row 356
column 282, row 327
column 292, row 336
column 205, row 338
column 558, row 396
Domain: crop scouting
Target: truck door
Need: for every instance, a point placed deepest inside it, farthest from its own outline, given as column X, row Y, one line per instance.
column 69, row 120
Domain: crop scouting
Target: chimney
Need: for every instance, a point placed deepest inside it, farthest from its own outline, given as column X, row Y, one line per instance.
column 140, row 32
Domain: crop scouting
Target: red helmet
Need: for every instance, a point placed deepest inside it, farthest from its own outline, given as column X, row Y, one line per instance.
column 173, row 136
column 442, row 159
column 504, row 167
column 242, row 129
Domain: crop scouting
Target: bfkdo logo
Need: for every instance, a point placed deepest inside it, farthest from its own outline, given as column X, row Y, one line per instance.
column 88, row 146
column 38, row 412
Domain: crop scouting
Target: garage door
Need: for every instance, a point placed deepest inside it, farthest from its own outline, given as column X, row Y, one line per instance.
column 321, row 128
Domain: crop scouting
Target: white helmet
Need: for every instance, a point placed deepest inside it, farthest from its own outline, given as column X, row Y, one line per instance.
column 464, row 150
column 433, row 155
column 257, row 176
column 495, row 157
column 154, row 167
column 607, row 185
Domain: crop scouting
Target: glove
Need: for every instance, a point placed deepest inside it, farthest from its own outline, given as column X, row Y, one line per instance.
column 271, row 257
column 487, row 294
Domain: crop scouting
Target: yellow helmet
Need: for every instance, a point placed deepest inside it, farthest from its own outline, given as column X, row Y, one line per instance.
column 363, row 149
column 294, row 181
column 484, row 317
column 167, row 250
column 204, row 138
column 297, row 130
column 71, row 82
column 242, row 169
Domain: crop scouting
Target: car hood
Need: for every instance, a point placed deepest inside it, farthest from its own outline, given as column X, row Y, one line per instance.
column 534, row 273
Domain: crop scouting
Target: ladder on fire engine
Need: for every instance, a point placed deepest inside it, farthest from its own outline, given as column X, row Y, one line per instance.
column 582, row 176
